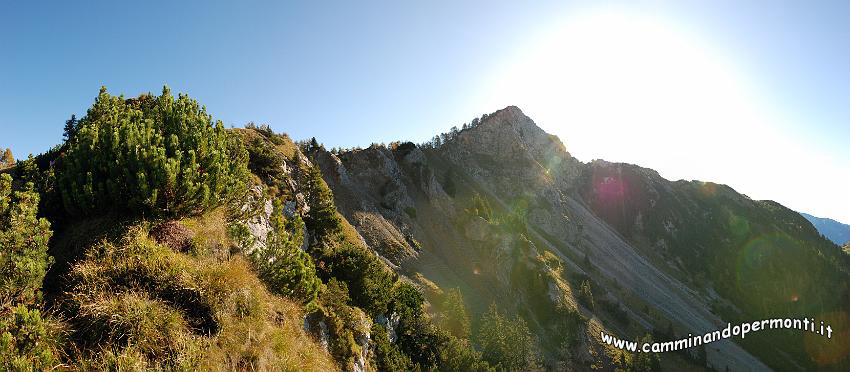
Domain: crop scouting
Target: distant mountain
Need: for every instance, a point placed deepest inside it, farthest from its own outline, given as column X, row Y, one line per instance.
column 831, row 229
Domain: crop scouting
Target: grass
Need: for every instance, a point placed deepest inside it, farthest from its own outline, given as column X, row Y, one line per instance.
column 210, row 231
column 139, row 305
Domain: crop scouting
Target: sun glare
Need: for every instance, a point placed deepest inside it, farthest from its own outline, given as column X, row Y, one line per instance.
column 632, row 87
column 610, row 83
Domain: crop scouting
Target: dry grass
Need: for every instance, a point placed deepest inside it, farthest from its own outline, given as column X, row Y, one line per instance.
column 140, row 305
column 210, row 231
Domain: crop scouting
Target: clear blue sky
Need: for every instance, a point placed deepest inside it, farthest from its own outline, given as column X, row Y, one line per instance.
column 353, row 73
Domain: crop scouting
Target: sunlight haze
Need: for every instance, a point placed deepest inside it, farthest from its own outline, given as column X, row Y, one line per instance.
column 629, row 87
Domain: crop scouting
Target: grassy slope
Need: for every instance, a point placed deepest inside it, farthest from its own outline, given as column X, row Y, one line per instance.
column 133, row 303
column 123, row 301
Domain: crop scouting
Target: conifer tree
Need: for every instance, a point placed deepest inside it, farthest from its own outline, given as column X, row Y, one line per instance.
column 507, row 344
column 322, row 217
column 282, row 264
column 158, row 156
column 646, row 362
column 23, row 242
column 455, row 317
column 71, row 126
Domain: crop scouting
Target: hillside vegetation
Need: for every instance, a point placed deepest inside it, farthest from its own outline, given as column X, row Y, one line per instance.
column 153, row 238
column 178, row 244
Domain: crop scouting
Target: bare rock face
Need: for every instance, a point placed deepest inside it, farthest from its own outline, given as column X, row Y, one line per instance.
column 257, row 209
column 363, row 338
column 371, row 191
column 390, row 324
column 509, row 151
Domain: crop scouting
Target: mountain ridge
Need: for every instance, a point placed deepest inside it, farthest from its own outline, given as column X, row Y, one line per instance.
column 833, row 230
column 416, row 256
column 519, row 168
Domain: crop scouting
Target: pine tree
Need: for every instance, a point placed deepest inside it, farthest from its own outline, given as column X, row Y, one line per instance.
column 71, row 126
column 157, row 156
column 23, row 238
column 455, row 317
column 507, row 344
column 282, row 264
column 585, row 295
column 25, row 341
column 322, row 217
column 646, row 362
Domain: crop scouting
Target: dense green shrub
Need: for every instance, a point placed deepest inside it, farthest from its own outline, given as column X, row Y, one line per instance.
column 417, row 337
column 341, row 320
column 322, row 217
column 23, row 242
column 25, row 341
column 282, row 264
column 507, row 343
column 264, row 162
column 480, row 207
column 150, row 155
column 369, row 283
column 37, row 170
column 455, row 318
column 459, row 355
column 645, row 362
column 585, row 295
column 388, row 355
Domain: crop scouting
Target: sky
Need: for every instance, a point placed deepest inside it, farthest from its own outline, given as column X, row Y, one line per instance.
column 753, row 94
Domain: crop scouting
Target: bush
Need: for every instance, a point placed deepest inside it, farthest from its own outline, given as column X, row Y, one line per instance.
column 23, row 238
column 25, row 341
column 585, row 296
column 480, row 207
column 388, row 356
column 285, row 268
column 507, row 343
column 369, row 283
column 158, row 156
column 322, row 217
column 264, row 162
column 645, row 362
column 459, row 355
column 455, row 318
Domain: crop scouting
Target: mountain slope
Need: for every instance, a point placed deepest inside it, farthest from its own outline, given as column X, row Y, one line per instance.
column 501, row 210
column 833, row 230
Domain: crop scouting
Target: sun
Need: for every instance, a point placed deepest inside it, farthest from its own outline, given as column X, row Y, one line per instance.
column 612, row 83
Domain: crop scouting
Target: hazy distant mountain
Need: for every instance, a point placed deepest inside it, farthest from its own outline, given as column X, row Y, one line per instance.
column 831, row 229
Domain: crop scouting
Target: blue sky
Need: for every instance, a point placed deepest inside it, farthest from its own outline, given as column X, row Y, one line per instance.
column 353, row 73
